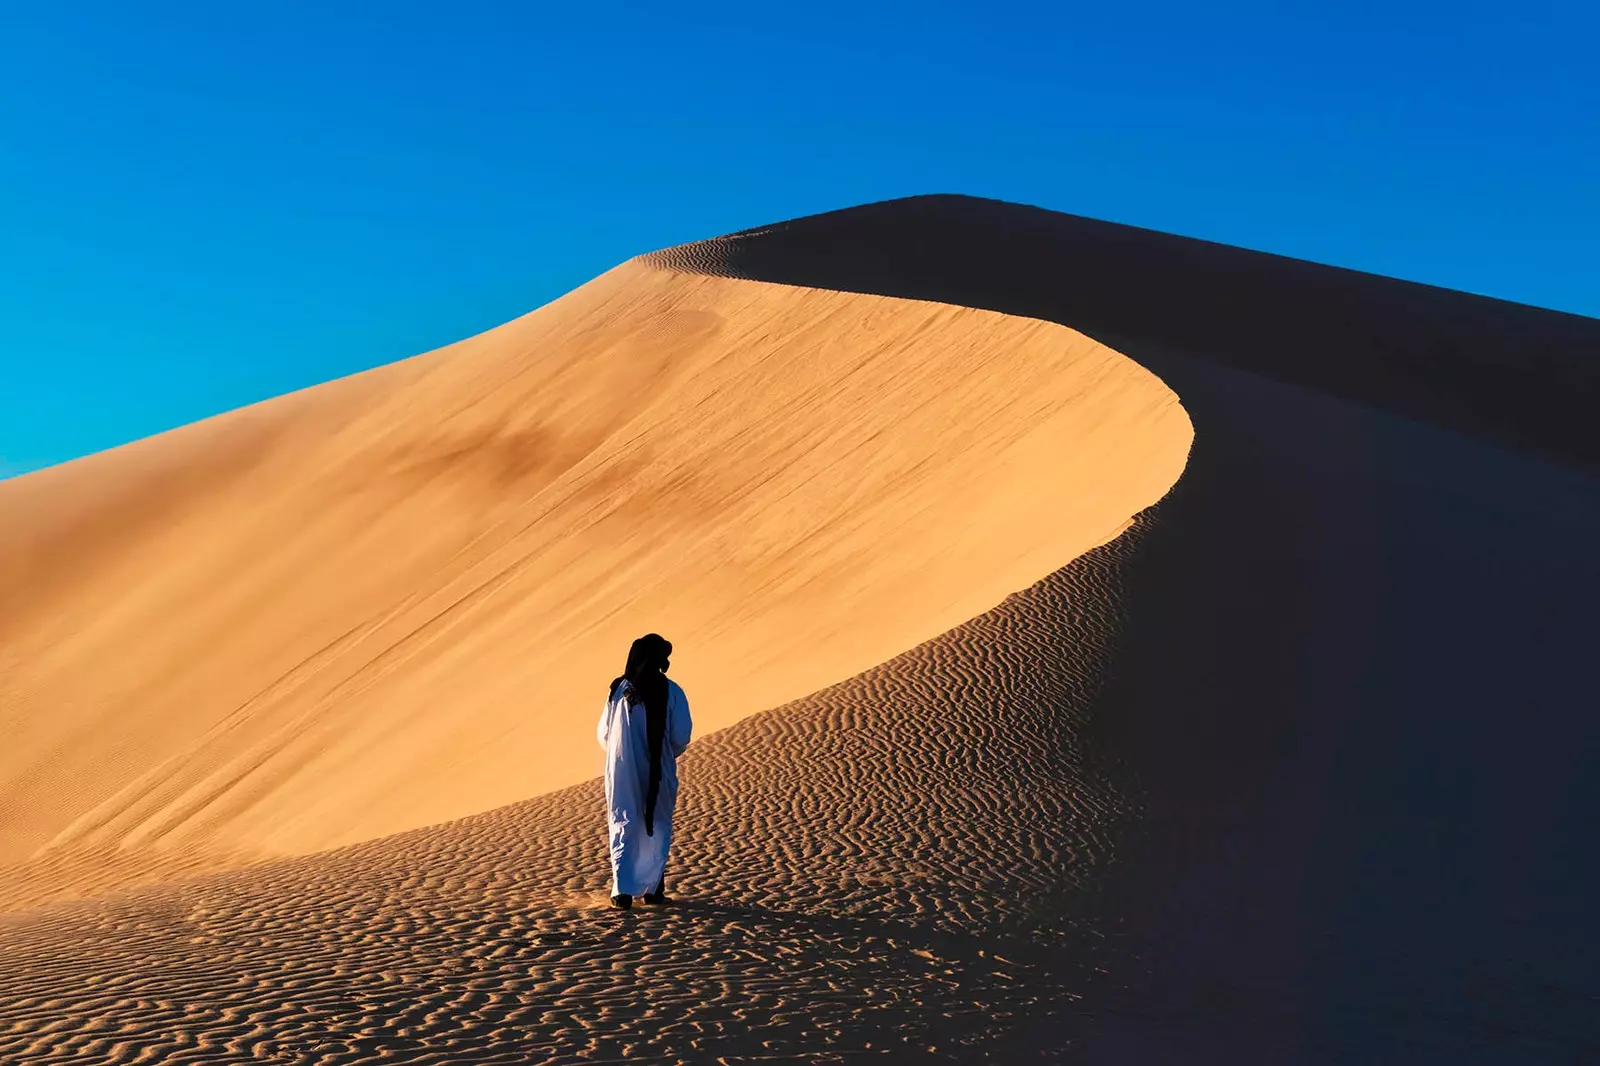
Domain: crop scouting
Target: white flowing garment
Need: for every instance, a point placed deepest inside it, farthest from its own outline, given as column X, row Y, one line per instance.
column 638, row 858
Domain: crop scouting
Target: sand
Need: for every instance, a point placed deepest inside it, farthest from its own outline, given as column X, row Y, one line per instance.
column 1296, row 769
column 888, row 864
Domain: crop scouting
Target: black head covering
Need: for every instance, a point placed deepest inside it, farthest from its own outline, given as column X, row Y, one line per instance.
column 647, row 658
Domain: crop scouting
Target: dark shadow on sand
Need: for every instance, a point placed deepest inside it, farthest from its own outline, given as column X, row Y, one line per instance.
column 1354, row 685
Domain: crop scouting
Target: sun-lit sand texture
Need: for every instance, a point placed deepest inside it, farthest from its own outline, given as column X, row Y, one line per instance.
column 1299, row 768
column 889, row 863
column 398, row 598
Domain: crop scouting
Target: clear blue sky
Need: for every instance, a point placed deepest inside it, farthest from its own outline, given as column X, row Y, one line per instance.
column 202, row 205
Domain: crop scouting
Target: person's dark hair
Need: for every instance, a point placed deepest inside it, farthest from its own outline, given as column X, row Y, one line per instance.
column 647, row 661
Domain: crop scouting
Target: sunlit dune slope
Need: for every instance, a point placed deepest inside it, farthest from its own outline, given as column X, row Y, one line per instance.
column 397, row 598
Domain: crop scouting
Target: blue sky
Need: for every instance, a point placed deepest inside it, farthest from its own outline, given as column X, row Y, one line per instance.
column 203, row 205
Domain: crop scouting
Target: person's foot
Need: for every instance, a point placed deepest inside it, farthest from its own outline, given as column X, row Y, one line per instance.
column 623, row 902
column 659, row 896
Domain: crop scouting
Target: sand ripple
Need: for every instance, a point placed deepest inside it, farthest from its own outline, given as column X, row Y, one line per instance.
column 887, row 866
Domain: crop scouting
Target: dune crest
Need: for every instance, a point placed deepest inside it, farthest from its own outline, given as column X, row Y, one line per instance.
column 395, row 599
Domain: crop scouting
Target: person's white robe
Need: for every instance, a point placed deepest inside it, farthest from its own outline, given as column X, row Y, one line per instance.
column 638, row 859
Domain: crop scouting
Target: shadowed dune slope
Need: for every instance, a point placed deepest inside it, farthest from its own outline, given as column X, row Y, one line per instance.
column 1355, row 692
column 397, row 598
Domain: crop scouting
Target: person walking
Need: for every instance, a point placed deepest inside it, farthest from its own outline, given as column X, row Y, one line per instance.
column 643, row 729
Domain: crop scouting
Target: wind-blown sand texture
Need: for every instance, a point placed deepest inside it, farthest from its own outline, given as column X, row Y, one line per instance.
column 887, row 864
column 1300, row 769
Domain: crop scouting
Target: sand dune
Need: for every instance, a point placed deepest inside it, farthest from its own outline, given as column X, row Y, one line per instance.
column 1299, row 769
column 397, row 599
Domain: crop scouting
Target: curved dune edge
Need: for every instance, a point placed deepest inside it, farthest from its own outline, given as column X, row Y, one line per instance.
column 385, row 602
column 1349, row 691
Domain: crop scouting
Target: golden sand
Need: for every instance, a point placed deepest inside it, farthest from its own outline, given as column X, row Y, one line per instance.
column 396, row 599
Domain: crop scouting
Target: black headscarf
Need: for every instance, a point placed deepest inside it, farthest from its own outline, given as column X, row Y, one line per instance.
column 647, row 658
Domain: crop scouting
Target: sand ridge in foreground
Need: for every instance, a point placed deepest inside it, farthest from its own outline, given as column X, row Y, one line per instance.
column 888, row 865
